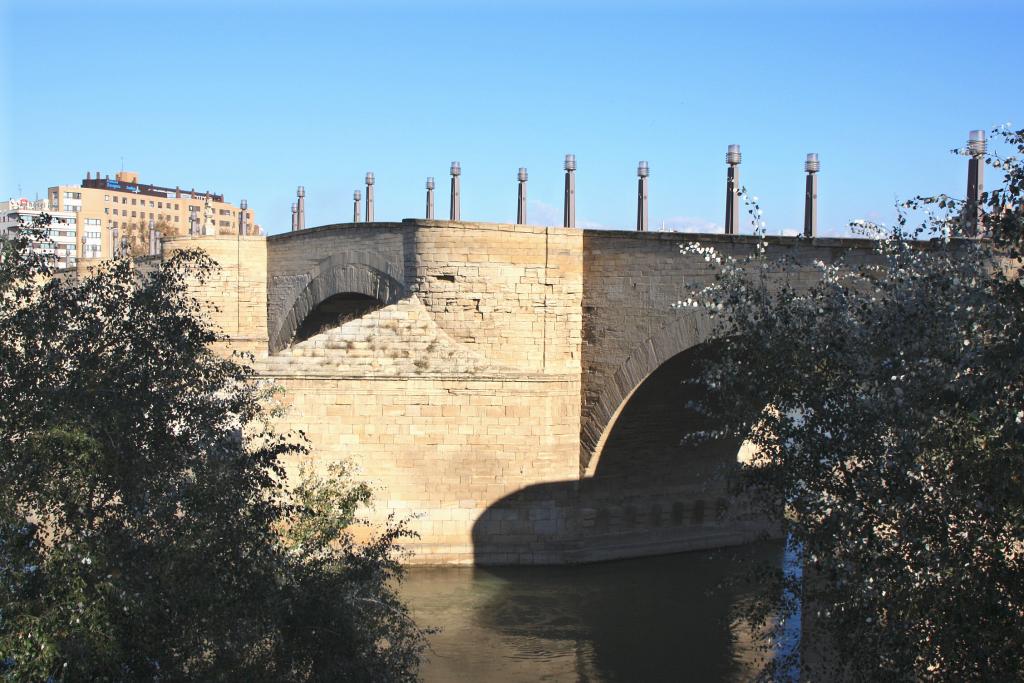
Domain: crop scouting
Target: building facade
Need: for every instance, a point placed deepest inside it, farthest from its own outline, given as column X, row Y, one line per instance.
column 126, row 213
column 63, row 236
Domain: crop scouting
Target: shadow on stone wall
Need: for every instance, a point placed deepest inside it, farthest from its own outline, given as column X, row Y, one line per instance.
column 650, row 494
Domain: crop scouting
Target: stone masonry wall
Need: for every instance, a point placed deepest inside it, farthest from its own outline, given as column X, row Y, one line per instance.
column 236, row 293
column 511, row 292
column 461, row 390
column 479, row 393
column 631, row 281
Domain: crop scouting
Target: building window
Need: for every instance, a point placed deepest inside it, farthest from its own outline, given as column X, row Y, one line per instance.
column 175, row 219
column 133, row 214
column 106, row 210
column 159, row 205
column 124, row 200
column 106, row 197
column 133, row 201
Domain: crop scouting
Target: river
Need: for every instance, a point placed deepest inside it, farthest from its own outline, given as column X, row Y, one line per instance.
column 668, row 618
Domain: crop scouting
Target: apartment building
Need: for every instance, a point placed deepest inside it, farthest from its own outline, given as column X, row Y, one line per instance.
column 64, row 234
column 125, row 212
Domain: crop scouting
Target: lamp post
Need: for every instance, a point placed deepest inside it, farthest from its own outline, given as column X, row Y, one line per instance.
column 300, row 216
column 732, row 191
column 456, row 171
column 430, row 198
column 369, row 196
column 569, row 220
column 357, row 197
column 642, row 172
column 812, row 166
column 976, row 146
column 521, row 210
column 243, row 227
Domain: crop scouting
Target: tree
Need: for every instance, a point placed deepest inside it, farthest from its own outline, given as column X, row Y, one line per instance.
column 887, row 405
column 135, row 235
column 146, row 527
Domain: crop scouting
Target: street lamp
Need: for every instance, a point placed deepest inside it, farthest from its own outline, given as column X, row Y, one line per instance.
column 812, row 166
column 976, row 146
column 521, row 210
column 569, row 218
column 642, row 172
column 456, row 171
column 732, row 191
column 369, row 196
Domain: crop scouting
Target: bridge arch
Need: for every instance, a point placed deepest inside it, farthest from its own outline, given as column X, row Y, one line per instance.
column 357, row 273
column 688, row 331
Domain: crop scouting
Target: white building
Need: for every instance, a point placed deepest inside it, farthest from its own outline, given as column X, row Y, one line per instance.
column 62, row 235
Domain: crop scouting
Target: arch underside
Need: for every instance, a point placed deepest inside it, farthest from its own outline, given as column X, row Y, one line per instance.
column 656, row 483
column 333, row 277
column 687, row 331
column 650, row 444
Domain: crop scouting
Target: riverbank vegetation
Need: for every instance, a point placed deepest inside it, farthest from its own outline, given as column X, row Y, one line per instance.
column 145, row 529
column 892, row 451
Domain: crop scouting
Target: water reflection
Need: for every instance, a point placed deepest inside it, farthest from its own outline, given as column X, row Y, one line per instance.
column 650, row 619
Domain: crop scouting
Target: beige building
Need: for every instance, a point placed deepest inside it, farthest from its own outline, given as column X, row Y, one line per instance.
column 124, row 211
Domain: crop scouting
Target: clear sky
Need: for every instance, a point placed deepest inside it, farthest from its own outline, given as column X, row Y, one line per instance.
column 251, row 99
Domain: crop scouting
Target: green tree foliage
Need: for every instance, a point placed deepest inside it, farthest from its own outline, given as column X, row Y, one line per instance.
column 887, row 403
column 145, row 529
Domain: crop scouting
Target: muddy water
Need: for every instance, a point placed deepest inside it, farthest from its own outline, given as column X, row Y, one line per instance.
column 669, row 618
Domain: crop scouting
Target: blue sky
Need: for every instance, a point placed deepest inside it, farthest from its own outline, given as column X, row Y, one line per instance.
column 252, row 99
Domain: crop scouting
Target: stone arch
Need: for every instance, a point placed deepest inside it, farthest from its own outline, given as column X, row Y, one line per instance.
column 348, row 272
column 687, row 331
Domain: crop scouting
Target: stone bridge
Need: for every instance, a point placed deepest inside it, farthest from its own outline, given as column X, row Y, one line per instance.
column 518, row 388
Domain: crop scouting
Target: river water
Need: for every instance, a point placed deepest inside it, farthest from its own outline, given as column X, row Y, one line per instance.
column 668, row 618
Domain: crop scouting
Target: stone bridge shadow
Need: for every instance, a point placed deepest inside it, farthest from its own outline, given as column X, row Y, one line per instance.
column 660, row 618
column 648, row 493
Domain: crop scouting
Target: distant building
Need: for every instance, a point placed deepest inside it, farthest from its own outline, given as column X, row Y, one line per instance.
column 129, row 209
column 60, row 244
